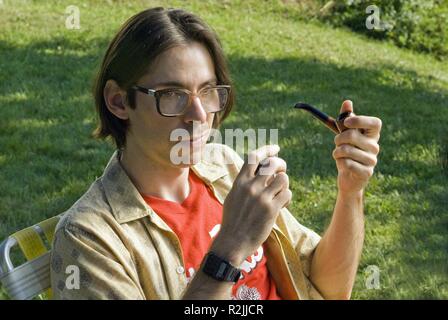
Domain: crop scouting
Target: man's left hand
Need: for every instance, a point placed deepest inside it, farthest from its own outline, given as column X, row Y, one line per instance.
column 356, row 151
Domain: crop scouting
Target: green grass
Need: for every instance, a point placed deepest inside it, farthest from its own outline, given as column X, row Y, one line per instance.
column 277, row 57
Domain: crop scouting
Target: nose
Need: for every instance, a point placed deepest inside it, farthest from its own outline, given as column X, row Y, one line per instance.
column 195, row 111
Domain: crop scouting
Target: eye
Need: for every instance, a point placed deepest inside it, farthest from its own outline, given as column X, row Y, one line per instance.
column 172, row 94
column 206, row 90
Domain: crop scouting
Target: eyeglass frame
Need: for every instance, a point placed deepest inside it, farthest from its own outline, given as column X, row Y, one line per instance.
column 157, row 94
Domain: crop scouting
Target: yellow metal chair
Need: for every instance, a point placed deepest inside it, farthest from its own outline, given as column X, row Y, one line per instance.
column 32, row 278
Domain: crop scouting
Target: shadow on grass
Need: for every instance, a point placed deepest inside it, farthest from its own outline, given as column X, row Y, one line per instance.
column 267, row 90
column 414, row 121
column 48, row 158
column 47, row 116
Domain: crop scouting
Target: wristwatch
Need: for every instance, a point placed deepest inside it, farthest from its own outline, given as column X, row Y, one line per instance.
column 220, row 269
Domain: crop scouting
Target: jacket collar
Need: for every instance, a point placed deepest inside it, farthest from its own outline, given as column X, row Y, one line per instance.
column 126, row 202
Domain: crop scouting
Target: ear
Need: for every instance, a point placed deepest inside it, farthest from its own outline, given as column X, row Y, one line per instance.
column 116, row 100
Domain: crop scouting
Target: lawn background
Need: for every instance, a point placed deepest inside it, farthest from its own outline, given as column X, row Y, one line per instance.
column 277, row 57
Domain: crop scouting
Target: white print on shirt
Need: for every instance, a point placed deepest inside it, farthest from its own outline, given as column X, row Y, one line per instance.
column 247, row 266
column 247, row 293
column 190, row 274
column 214, row 231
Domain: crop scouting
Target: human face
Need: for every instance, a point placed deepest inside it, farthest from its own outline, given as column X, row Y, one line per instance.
column 190, row 67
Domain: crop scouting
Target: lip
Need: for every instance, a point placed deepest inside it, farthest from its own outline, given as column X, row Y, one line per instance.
column 196, row 141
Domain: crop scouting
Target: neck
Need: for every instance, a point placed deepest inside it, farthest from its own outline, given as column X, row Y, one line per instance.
column 153, row 178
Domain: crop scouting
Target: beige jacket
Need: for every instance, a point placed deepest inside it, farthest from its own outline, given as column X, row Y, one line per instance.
column 111, row 245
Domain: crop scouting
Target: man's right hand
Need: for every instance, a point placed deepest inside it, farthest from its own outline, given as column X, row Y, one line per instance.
column 252, row 205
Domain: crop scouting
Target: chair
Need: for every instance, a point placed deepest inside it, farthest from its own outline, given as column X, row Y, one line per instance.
column 32, row 278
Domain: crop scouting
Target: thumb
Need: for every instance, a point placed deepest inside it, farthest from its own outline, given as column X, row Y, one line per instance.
column 347, row 106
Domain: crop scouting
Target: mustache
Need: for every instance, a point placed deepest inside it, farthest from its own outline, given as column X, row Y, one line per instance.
column 190, row 133
column 196, row 132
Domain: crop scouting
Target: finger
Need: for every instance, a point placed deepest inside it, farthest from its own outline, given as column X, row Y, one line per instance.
column 283, row 198
column 357, row 139
column 254, row 158
column 371, row 125
column 271, row 165
column 354, row 167
column 278, row 184
column 351, row 152
column 347, row 106
column 288, row 203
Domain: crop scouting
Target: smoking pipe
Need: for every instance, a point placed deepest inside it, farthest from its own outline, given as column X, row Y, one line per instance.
column 336, row 125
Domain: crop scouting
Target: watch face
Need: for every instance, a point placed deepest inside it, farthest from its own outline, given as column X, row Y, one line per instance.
column 220, row 269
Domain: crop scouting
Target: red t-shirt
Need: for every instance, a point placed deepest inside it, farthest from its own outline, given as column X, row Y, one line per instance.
column 196, row 221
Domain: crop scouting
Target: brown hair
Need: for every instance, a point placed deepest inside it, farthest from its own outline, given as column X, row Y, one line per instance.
column 139, row 41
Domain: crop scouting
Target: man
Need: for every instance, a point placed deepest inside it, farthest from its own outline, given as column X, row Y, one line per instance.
column 154, row 228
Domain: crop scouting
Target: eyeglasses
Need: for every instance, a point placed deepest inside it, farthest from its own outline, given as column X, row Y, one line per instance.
column 173, row 102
